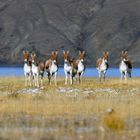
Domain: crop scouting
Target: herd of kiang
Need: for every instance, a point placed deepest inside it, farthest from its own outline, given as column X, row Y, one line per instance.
column 73, row 68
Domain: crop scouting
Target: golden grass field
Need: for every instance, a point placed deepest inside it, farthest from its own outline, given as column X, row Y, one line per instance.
column 78, row 111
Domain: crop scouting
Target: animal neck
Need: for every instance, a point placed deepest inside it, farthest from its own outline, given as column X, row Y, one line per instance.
column 81, row 66
column 103, row 61
column 67, row 66
column 123, row 62
column 53, row 63
column 80, row 62
column 67, row 62
column 26, row 63
column 123, row 66
column 103, row 66
column 53, row 67
column 75, row 64
column 34, row 63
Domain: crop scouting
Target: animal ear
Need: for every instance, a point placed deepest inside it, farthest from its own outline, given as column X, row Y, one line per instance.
column 67, row 52
column 27, row 52
column 104, row 52
column 52, row 52
column 56, row 52
column 24, row 52
column 34, row 54
column 125, row 52
column 107, row 52
column 63, row 51
column 122, row 52
column 84, row 52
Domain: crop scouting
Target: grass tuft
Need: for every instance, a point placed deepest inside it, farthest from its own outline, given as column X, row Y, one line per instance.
column 74, row 111
column 114, row 122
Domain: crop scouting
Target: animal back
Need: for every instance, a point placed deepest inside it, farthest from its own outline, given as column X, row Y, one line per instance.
column 48, row 63
column 41, row 66
column 99, row 62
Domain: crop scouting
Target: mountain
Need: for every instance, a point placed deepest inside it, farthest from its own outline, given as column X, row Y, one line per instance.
column 43, row 26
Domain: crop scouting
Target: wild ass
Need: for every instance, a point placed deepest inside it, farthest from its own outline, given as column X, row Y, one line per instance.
column 37, row 71
column 102, row 66
column 81, row 65
column 52, row 67
column 67, row 67
column 27, row 68
column 125, row 66
column 41, row 68
column 74, row 67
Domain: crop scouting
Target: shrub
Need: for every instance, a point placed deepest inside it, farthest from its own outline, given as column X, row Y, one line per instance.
column 113, row 122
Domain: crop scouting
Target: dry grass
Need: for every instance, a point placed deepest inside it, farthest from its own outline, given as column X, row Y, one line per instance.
column 53, row 106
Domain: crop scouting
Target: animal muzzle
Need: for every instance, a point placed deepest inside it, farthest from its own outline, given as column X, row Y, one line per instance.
column 54, row 61
column 25, row 60
column 124, row 60
column 66, row 60
column 105, row 61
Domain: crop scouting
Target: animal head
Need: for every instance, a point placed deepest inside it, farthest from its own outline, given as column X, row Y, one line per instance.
column 26, row 56
column 74, row 63
column 66, row 55
column 33, row 57
column 105, row 55
column 124, row 55
column 81, row 55
column 54, row 56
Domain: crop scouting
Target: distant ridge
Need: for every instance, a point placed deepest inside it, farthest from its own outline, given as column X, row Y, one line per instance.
column 90, row 25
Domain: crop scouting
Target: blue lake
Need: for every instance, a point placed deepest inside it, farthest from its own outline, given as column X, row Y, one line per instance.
column 89, row 72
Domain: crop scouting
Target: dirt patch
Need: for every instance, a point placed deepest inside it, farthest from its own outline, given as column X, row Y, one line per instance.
column 29, row 91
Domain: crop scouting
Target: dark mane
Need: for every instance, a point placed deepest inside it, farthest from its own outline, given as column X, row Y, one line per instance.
column 30, row 63
column 129, row 64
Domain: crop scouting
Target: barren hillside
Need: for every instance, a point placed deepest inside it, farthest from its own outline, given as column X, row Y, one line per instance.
column 91, row 25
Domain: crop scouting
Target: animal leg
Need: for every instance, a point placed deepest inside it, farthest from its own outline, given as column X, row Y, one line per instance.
column 37, row 81
column 66, row 78
column 125, row 75
column 25, row 81
column 55, row 74
column 100, row 75
column 29, row 81
column 49, row 77
column 41, row 82
column 81, row 75
column 122, row 74
column 104, row 73
column 129, row 73
column 71, row 78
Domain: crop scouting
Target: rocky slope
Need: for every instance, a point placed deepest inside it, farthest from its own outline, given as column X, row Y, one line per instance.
column 90, row 25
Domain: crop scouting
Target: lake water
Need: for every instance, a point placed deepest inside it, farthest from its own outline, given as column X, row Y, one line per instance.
column 89, row 72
